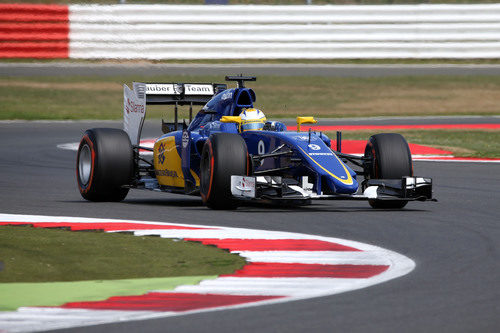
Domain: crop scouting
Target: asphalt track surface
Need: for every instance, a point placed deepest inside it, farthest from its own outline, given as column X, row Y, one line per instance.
column 454, row 242
column 138, row 68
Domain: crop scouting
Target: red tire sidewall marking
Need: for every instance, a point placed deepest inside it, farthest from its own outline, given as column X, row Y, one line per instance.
column 411, row 163
column 206, row 196
column 85, row 189
column 375, row 163
column 211, row 168
column 248, row 164
column 374, row 166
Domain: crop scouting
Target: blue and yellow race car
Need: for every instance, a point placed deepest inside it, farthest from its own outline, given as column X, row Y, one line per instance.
column 230, row 153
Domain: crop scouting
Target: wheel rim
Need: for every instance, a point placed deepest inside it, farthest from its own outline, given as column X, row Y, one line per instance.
column 84, row 165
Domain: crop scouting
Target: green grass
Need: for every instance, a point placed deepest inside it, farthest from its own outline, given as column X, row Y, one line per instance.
column 81, row 97
column 17, row 294
column 41, row 255
column 474, row 143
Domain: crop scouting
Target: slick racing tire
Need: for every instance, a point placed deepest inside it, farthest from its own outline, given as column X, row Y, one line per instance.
column 105, row 162
column 390, row 159
column 223, row 155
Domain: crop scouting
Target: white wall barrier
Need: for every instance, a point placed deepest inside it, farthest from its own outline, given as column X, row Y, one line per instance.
column 284, row 32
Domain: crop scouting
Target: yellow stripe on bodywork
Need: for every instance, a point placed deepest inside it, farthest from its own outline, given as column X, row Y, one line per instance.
column 195, row 176
column 347, row 181
column 169, row 172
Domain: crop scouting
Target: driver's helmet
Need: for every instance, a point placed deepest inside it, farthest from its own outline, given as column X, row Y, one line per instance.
column 252, row 120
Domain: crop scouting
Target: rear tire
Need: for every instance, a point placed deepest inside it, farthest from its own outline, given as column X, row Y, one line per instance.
column 223, row 155
column 390, row 159
column 105, row 162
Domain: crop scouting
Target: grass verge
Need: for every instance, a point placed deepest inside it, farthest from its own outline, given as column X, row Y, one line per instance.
column 46, row 255
column 462, row 143
column 15, row 295
column 80, row 97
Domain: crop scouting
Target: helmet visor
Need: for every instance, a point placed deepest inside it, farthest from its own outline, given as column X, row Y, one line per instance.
column 252, row 126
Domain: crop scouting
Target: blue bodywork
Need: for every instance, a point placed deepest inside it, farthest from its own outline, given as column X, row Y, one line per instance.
column 312, row 155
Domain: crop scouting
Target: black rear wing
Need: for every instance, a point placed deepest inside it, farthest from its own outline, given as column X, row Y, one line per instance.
column 179, row 94
column 182, row 93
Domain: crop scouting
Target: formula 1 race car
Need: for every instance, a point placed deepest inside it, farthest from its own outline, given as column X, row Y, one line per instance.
column 228, row 157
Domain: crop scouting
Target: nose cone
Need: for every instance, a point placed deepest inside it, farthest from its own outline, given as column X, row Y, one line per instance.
column 319, row 157
column 341, row 187
column 338, row 176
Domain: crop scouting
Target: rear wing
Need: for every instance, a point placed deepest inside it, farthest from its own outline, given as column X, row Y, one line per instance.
column 177, row 94
column 182, row 93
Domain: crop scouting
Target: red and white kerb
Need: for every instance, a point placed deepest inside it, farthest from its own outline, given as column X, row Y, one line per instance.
column 281, row 267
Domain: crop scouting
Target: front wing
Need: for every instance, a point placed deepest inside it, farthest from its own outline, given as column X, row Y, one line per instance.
column 279, row 189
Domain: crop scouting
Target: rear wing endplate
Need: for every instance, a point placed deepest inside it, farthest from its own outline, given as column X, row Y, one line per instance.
column 134, row 110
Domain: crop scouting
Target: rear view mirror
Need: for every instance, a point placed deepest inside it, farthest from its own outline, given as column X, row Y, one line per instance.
column 305, row 120
column 231, row 119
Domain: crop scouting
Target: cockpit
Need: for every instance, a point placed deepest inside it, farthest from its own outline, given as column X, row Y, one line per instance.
column 229, row 102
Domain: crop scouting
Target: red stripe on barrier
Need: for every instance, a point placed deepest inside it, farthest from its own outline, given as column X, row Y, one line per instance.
column 273, row 244
column 168, row 302
column 34, row 31
column 35, row 39
column 33, row 12
column 396, row 127
column 34, row 50
column 275, row 270
column 106, row 226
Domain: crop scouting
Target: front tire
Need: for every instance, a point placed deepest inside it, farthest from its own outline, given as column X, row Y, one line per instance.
column 223, row 155
column 105, row 162
column 390, row 158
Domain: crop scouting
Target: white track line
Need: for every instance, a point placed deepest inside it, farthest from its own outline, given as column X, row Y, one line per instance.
column 39, row 319
column 316, row 257
column 273, row 286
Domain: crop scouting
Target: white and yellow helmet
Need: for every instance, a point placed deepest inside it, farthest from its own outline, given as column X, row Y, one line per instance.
column 252, row 120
